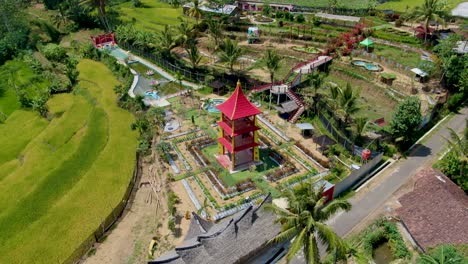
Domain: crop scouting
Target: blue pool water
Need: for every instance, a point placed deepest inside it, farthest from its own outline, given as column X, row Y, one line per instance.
column 152, row 94
column 210, row 106
column 368, row 65
column 118, row 53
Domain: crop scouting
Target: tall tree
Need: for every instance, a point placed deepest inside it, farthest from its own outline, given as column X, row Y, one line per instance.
column 360, row 125
column 100, row 5
column 166, row 40
column 304, row 221
column 406, row 120
column 230, row 53
column 184, row 31
column 215, row 28
column 272, row 63
column 456, row 161
column 348, row 101
column 431, row 10
column 193, row 54
column 195, row 11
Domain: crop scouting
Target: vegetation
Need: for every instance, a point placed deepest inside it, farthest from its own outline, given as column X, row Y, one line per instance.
column 304, row 221
column 443, row 254
column 406, row 120
column 52, row 169
column 430, row 10
column 455, row 162
column 230, row 53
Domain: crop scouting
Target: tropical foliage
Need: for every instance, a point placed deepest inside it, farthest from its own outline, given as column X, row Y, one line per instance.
column 304, row 221
column 443, row 254
column 230, row 53
column 406, row 120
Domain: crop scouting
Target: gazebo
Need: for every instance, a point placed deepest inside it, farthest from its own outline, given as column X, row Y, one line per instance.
column 238, row 134
column 368, row 43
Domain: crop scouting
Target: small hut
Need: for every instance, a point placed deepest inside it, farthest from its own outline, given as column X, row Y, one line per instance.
column 387, row 78
column 368, row 43
column 420, row 75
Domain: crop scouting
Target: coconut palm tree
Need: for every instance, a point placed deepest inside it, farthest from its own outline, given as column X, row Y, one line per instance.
column 272, row 62
column 193, row 54
column 360, row 124
column 304, row 221
column 165, row 39
column 230, row 53
column 61, row 18
column 215, row 28
column 348, row 101
column 459, row 145
column 184, row 31
column 431, row 10
column 100, row 5
column 195, row 10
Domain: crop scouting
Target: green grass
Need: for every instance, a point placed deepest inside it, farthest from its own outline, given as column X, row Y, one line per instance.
column 152, row 17
column 400, row 5
column 407, row 58
column 8, row 102
column 71, row 173
column 351, row 4
column 232, row 179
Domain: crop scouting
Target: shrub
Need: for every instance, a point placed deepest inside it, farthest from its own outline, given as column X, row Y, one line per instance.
column 54, row 52
column 454, row 101
column 300, row 18
column 171, row 224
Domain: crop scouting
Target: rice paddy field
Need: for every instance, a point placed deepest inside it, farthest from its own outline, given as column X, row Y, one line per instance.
column 60, row 177
column 402, row 5
column 152, row 16
column 351, row 4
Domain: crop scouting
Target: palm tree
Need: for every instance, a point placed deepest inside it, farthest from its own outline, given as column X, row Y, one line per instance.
column 444, row 254
column 459, row 145
column 431, row 10
column 185, row 32
column 193, row 54
column 61, row 18
column 230, row 53
column 156, row 117
column 100, row 5
column 195, row 10
column 348, row 101
column 216, row 31
column 334, row 95
column 304, row 221
column 272, row 62
column 166, row 40
column 360, row 125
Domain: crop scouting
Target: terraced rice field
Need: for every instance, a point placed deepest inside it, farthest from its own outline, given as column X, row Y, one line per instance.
column 60, row 178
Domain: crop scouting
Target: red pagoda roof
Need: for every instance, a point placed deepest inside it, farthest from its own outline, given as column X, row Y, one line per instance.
column 238, row 106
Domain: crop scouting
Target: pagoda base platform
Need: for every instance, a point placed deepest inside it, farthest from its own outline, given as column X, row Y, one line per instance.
column 226, row 163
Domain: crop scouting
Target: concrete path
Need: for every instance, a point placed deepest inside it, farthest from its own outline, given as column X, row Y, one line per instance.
column 422, row 154
column 461, row 10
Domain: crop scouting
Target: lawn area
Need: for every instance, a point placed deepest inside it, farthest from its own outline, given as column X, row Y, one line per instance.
column 400, row 5
column 407, row 58
column 73, row 170
column 232, row 179
column 351, row 4
column 152, row 16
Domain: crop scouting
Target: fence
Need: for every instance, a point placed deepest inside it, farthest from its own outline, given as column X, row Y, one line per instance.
column 356, row 176
column 188, row 73
column 107, row 223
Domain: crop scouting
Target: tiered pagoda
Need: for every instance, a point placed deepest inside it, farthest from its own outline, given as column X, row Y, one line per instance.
column 238, row 136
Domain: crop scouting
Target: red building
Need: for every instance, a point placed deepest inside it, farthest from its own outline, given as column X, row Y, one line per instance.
column 238, row 136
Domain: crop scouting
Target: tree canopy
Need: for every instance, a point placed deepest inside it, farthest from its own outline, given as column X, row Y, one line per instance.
column 406, row 120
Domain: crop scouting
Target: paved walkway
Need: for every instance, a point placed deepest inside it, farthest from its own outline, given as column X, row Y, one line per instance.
column 422, row 155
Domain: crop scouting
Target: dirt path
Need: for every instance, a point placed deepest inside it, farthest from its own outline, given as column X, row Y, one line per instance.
column 144, row 219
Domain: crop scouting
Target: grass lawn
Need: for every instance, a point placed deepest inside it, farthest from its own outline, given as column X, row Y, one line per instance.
column 404, row 57
column 152, row 16
column 401, row 5
column 232, row 179
column 74, row 170
column 351, row 4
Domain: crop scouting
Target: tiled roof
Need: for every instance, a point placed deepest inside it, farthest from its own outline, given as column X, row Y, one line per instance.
column 238, row 106
column 436, row 211
column 233, row 240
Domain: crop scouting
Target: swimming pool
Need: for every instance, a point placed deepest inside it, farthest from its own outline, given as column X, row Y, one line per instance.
column 152, row 94
column 211, row 104
column 368, row 65
column 119, row 54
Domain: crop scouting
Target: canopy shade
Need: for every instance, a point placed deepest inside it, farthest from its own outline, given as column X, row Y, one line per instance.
column 367, row 42
column 419, row 72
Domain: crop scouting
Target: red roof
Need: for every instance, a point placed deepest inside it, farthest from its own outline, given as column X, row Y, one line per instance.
column 238, row 106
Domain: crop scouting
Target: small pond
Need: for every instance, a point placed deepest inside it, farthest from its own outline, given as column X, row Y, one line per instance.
column 367, row 65
column 382, row 254
column 211, row 104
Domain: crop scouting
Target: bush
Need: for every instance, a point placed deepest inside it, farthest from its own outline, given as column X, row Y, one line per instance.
column 300, row 18
column 454, row 101
column 171, row 224
column 54, row 52
column 398, row 23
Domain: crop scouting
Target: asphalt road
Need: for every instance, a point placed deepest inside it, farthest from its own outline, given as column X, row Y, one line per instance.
column 401, row 171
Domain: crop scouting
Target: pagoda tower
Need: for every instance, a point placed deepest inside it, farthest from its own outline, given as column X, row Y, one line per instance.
column 238, row 135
